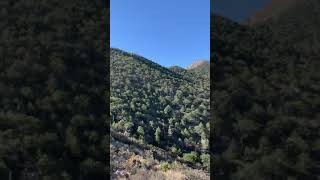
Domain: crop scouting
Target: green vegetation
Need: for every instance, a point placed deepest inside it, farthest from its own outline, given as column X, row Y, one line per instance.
column 205, row 160
column 52, row 84
column 190, row 157
column 128, row 160
column 167, row 108
column 265, row 121
column 164, row 166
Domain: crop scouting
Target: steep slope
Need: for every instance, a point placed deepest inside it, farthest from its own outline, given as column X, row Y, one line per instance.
column 183, row 72
column 133, row 159
column 200, row 67
column 52, row 83
column 159, row 107
column 273, row 9
column 266, row 105
column 198, row 64
column 297, row 23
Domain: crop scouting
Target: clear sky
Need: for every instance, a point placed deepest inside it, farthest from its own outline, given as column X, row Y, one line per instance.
column 169, row 32
column 237, row 10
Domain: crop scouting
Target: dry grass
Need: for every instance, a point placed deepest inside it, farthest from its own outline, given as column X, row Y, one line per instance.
column 143, row 166
column 169, row 175
column 174, row 175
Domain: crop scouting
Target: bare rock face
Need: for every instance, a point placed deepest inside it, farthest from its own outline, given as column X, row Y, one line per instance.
column 198, row 63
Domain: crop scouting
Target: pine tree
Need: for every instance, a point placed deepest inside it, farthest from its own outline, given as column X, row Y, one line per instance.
column 157, row 135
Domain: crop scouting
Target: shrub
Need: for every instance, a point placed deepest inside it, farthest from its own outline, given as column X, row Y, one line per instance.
column 164, row 166
column 205, row 160
column 190, row 157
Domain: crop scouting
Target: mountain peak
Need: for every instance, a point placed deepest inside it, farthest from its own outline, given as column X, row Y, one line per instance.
column 198, row 63
column 273, row 9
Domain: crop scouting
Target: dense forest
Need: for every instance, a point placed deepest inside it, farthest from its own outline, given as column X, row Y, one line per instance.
column 52, row 84
column 266, row 104
column 163, row 107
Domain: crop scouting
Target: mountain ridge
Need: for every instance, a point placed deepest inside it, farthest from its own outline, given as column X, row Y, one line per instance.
column 151, row 103
column 265, row 96
column 193, row 65
column 198, row 63
column 296, row 23
column 273, row 9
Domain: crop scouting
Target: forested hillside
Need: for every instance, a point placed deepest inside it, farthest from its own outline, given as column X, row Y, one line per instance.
column 52, row 84
column 266, row 103
column 295, row 25
column 163, row 107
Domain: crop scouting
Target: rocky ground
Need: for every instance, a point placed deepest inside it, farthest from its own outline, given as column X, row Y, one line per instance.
column 129, row 161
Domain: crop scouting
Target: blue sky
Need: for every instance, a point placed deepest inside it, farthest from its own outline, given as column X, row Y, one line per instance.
column 169, row 32
column 237, row 10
